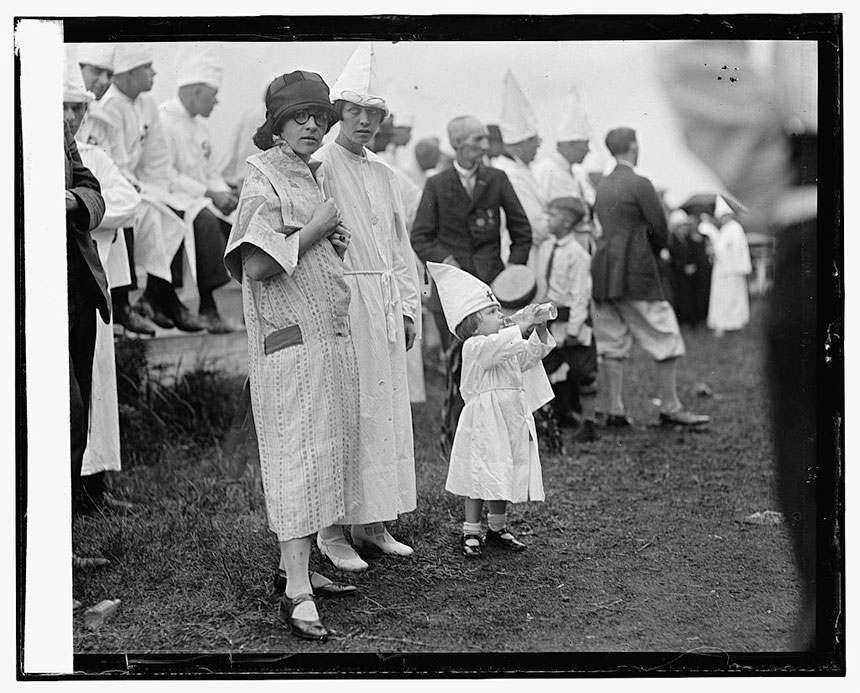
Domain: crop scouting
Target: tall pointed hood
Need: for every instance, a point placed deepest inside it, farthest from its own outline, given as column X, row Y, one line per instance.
column 574, row 122
column 128, row 56
column 358, row 83
column 460, row 293
column 721, row 207
column 518, row 121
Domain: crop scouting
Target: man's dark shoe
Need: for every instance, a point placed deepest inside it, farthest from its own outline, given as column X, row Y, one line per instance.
column 133, row 321
column 151, row 312
column 618, row 421
column 182, row 317
column 683, row 418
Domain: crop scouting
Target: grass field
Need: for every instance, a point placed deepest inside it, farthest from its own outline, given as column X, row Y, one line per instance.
column 639, row 547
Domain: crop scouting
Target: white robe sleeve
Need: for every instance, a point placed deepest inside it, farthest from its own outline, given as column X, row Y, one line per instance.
column 121, row 199
column 491, row 350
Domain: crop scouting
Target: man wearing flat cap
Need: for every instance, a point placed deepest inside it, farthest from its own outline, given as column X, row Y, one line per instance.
column 201, row 196
column 458, row 223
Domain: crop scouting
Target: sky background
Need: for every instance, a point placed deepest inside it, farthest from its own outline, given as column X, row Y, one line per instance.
column 431, row 82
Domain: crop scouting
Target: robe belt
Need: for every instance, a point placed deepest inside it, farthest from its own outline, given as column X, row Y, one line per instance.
column 389, row 299
column 497, row 389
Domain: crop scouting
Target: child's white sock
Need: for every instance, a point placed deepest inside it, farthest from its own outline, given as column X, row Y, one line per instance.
column 472, row 528
column 497, row 522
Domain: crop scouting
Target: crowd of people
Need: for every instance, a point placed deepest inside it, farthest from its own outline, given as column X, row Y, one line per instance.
column 342, row 250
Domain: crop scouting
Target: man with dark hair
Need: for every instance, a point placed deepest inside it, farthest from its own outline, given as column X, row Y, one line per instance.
column 630, row 300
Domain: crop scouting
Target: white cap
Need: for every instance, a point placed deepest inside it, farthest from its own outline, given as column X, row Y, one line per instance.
column 460, row 293
column 574, row 122
column 96, row 54
column 128, row 56
column 74, row 90
column 358, row 82
column 721, row 207
column 518, row 121
column 678, row 217
column 199, row 63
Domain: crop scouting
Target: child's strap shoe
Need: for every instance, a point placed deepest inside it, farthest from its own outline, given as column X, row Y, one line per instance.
column 505, row 539
column 472, row 545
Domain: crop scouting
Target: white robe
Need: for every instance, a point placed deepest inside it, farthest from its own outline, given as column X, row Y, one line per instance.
column 729, row 307
column 121, row 200
column 130, row 131
column 380, row 271
column 495, row 451
column 193, row 167
column 534, row 204
column 411, row 195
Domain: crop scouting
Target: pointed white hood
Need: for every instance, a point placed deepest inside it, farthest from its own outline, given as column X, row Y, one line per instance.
column 460, row 293
column 518, row 121
column 574, row 124
column 721, row 207
column 358, row 82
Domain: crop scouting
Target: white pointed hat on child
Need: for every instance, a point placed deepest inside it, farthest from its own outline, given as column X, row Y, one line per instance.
column 574, row 125
column 721, row 207
column 199, row 63
column 74, row 90
column 460, row 293
column 518, row 121
column 358, row 83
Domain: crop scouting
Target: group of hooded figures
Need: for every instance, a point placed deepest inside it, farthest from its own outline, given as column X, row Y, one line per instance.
column 323, row 239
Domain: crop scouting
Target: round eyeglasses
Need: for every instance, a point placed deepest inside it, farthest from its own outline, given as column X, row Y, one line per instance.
column 322, row 117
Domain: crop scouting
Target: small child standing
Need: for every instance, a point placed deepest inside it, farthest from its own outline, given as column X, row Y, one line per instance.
column 564, row 278
column 494, row 457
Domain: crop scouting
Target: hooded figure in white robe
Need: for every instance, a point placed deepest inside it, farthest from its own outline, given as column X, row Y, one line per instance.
column 380, row 270
column 729, row 307
column 519, row 129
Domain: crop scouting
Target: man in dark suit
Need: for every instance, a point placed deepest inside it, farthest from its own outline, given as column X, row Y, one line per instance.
column 87, row 294
column 458, row 223
column 628, row 290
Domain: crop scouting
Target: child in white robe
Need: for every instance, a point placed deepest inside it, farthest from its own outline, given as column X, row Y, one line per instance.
column 494, row 457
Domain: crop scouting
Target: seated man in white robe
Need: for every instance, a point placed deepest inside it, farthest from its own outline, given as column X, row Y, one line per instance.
column 126, row 123
column 201, row 195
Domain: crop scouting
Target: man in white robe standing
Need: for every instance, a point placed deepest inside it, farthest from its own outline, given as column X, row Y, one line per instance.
column 384, row 314
column 102, row 453
column 200, row 194
column 127, row 125
column 561, row 174
column 519, row 130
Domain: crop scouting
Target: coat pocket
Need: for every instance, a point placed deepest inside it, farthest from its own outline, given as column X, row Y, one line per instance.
column 283, row 338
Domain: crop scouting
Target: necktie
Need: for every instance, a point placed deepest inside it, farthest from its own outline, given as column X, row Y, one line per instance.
column 549, row 264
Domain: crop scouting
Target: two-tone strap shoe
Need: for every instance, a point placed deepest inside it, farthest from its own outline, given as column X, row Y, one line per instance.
column 505, row 540
column 618, row 421
column 309, row 630
column 320, row 584
column 683, row 419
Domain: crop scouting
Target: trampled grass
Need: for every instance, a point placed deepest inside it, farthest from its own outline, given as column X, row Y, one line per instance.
column 639, row 546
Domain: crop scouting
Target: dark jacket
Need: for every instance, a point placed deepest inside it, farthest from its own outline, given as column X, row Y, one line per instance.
column 625, row 264
column 86, row 276
column 448, row 222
